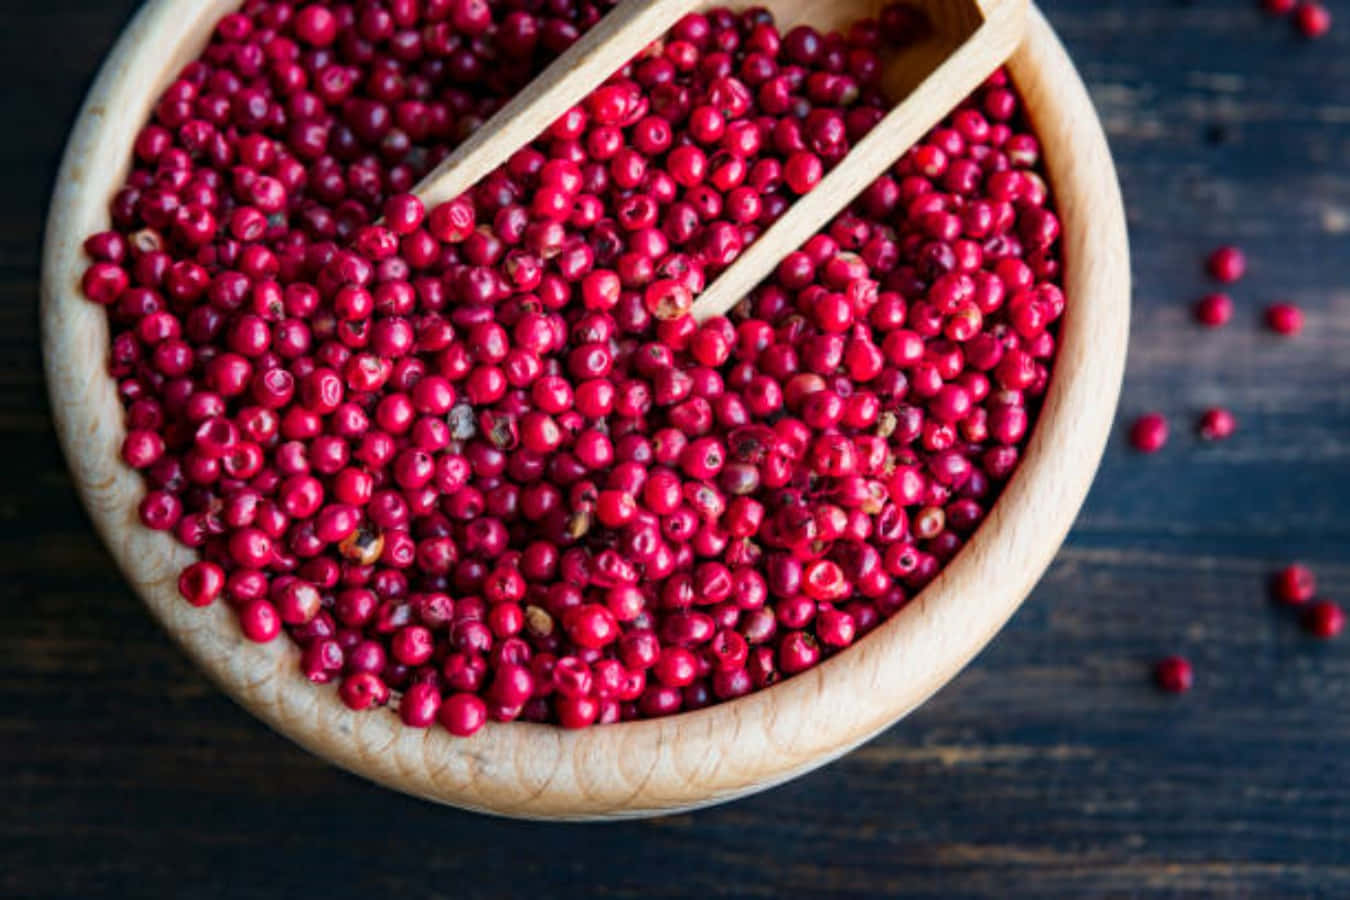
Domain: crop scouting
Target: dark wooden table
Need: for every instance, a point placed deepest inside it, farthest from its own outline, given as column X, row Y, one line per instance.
column 1049, row 767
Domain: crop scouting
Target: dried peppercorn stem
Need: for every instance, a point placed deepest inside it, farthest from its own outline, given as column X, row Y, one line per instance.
column 985, row 33
column 616, row 38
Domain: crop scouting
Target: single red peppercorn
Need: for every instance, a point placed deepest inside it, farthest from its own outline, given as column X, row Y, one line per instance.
column 297, row 602
column 798, row 652
column 1214, row 310
column 259, row 621
column 576, row 712
column 316, row 25
column 419, row 705
column 462, row 714
column 362, row 690
column 1312, row 19
column 1148, row 434
column 676, row 667
column 201, row 583
column 1217, row 424
column 1174, row 675
column 1227, row 264
column 1324, row 619
column 1284, row 318
column 1294, row 585
column 104, row 283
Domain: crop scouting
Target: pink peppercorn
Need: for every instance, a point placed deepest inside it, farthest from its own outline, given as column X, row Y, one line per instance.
column 412, row 645
column 463, row 714
column 297, row 603
column 1174, row 675
column 419, row 705
column 835, row 628
column 201, row 583
column 1214, row 310
column 316, row 25
column 1217, row 424
column 259, row 621
column 1324, row 619
column 1148, row 434
column 104, row 282
column 1227, row 264
column 500, row 399
column 511, row 685
column 362, row 690
column 798, row 652
column 1284, row 318
column 1278, row 7
column 676, row 667
column 576, row 712
column 1294, row 585
column 1312, row 19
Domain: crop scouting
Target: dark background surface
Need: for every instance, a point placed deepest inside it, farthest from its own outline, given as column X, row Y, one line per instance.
column 1050, row 766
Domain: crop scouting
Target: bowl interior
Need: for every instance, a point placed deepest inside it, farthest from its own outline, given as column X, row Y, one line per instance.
column 636, row 768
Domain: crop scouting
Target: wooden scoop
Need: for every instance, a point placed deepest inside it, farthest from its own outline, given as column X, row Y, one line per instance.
column 969, row 39
column 599, row 53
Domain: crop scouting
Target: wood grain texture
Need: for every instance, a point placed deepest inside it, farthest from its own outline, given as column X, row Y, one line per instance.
column 636, row 768
column 1048, row 768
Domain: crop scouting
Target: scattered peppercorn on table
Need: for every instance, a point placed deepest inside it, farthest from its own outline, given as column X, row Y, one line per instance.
column 1051, row 759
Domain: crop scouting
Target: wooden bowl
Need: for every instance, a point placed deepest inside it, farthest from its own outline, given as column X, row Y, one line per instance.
column 636, row 768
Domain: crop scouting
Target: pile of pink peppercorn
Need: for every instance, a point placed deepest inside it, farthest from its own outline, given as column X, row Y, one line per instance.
column 479, row 457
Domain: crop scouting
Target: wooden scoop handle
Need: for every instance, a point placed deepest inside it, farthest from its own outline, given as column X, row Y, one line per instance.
column 989, row 45
column 583, row 67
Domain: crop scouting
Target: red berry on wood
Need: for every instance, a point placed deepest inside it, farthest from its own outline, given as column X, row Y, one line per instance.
column 1324, row 619
column 1217, row 424
column 1227, row 264
column 1148, row 434
column 1214, row 310
column 1174, row 675
column 1294, row 585
column 1312, row 19
column 1284, row 318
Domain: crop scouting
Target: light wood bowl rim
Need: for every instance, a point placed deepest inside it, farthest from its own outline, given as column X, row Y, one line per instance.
column 639, row 768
